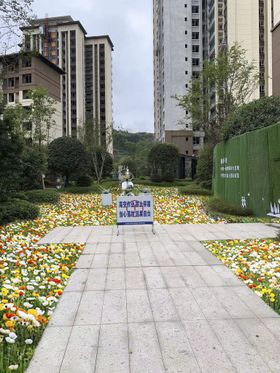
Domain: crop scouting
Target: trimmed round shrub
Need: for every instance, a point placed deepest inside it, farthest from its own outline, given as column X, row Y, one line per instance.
column 42, row 196
column 17, row 210
column 84, row 181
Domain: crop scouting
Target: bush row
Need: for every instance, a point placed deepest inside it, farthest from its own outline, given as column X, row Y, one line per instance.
column 219, row 205
column 195, row 190
column 17, row 210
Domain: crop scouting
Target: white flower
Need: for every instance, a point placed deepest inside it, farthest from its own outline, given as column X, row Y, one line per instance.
column 28, row 341
column 30, row 287
column 13, row 367
column 13, row 335
column 10, row 340
column 27, row 305
column 4, row 331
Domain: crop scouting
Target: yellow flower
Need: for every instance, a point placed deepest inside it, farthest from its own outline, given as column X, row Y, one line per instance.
column 4, row 292
column 10, row 324
column 32, row 312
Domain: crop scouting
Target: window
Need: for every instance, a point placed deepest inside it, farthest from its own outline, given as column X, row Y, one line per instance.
column 195, row 48
column 25, row 94
column 196, row 140
column 187, row 113
column 195, row 22
column 186, row 32
column 195, row 61
column 186, row 73
column 195, row 35
column 187, row 139
column 186, row 18
column 195, row 9
column 26, row 78
column 186, row 5
column 186, row 85
column 186, row 58
column 186, row 45
column 11, row 97
column 11, row 82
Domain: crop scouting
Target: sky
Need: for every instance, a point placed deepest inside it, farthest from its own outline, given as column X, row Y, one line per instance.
column 129, row 24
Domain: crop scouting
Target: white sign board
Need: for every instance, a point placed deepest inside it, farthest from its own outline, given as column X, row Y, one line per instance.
column 133, row 210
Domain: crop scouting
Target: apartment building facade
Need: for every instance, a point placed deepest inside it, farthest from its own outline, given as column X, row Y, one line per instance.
column 63, row 41
column 178, row 55
column 276, row 48
column 187, row 32
column 22, row 73
column 247, row 23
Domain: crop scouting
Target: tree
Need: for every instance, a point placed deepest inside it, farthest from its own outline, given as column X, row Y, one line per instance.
column 204, row 169
column 13, row 15
column 41, row 115
column 254, row 115
column 97, row 147
column 230, row 79
column 11, row 148
column 163, row 160
column 67, row 156
column 34, row 164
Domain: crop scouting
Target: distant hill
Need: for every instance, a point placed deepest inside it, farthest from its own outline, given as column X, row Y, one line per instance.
column 127, row 144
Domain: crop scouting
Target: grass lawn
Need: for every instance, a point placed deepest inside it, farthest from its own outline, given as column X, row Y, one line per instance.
column 32, row 277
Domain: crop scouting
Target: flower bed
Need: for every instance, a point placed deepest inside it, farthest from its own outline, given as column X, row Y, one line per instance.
column 256, row 262
column 32, row 277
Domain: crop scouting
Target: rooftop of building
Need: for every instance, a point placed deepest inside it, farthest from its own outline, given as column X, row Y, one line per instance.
column 101, row 37
column 14, row 56
column 54, row 21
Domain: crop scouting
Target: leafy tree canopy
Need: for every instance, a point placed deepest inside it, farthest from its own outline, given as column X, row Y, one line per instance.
column 224, row 83
column 163, row 160
column 254, row 115
column 67, row 156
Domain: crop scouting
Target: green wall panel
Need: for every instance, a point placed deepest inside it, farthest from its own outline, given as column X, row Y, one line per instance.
column 247, row 169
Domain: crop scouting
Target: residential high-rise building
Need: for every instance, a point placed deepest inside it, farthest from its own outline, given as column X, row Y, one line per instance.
column 86, row 87
column 178, row 55
column 247, row 23
column 276, row 47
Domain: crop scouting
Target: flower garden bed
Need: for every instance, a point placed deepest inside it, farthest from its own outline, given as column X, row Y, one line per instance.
column 32, row 276
column 256, row 262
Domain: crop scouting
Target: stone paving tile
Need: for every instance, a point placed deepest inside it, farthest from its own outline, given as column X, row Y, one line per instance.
column 267, row 345
column 134, row 278
column 210, row 277
column 77, row 234
column 138, row 306
column 56, row 235
column 115, row 279
column 161, row 255
column 145, row 354
column 77, row 280
column 90, row 308
column 114, row 308
column 46, row 359
column 100, row 261
column 207, row 349
column 96, row 279
column 84, row 261
column 117, row 248
column 235, row 307
column 132, row 259
column 172, row 277
column 162, row 305
column 147, row 257
column 191, row 277
column 273, row 325
column 80, row 355
column 240, row 351
column 112, row 355
column 176, row 350
column 66, row 309
column 194, row 259
column 209, row 304
column 185, row 304
column 116, row 260
column 153, row 278
column 176, row 255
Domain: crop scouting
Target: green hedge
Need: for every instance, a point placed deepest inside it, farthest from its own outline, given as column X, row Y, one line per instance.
column 42, row 196
column 17, row 210
column 219, row 205
column 81, row 190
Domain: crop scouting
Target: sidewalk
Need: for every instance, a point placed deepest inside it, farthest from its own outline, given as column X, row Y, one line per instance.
column 141, row 303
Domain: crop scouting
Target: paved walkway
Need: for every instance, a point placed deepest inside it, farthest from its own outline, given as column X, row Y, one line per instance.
column 145, row 303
